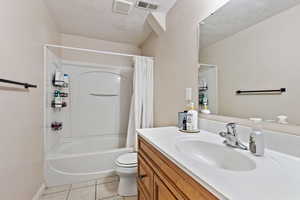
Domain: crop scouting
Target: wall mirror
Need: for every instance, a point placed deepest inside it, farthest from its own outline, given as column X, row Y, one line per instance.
column 249, row 58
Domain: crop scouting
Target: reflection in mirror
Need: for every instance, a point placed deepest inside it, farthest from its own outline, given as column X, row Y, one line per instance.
column 208, row 77
column 251, row 46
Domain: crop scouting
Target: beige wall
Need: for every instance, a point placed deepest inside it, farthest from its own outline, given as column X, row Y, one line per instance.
column 176, row 57
column 102, row 45
column 25, row 27
column 264, row 56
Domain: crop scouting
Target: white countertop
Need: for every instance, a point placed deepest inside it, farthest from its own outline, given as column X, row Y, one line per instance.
column 276, row 176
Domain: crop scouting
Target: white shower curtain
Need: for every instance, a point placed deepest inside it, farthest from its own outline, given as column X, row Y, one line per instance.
column 141, row 109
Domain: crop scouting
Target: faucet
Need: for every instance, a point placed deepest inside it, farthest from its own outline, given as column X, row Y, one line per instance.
column 231, row 137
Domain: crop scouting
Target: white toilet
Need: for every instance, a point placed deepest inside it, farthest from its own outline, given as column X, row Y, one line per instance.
column 127, row 171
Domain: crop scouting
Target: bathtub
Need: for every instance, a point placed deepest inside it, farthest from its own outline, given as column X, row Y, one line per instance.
column 83, row 160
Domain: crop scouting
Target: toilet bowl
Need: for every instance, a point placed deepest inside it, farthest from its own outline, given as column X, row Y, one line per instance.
column 127, row 171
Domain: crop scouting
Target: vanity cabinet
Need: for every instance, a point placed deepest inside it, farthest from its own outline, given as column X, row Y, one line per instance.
column 145, row 177
column 161, row 191
column 161, row 179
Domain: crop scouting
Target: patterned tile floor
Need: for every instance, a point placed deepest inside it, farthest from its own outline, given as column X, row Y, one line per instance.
column 102, row 189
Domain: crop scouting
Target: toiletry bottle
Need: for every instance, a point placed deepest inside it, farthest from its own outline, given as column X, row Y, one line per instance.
column 66, row 80
column 282, row 119
column 189, row 122
column 56, row 126
column 188, row 98
column 184, row 124
column 194, row 116
column 58, row 78
column 57, row 102
column 256, row 141
column 205, row 109
column 181, row 117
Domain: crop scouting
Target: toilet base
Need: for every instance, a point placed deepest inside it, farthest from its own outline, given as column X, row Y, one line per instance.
column 128, row 182
column 127, row 186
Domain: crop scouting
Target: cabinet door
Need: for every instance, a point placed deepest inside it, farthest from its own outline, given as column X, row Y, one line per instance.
column 145, row 177
column 141, row 195
column 162, row 192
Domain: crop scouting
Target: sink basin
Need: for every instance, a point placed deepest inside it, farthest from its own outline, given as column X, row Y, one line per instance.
column 219, row 156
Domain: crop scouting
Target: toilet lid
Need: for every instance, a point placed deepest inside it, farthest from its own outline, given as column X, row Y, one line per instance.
column 128, row 159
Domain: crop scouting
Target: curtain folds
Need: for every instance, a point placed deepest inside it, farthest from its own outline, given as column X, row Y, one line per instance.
column 141, row 108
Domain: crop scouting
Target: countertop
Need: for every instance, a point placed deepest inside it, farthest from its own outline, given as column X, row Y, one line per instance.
column 276, row 176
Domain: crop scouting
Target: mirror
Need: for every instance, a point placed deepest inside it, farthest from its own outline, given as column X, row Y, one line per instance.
column 250, row 61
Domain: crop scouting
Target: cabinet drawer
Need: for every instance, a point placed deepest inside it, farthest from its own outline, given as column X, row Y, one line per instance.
column 145, row 176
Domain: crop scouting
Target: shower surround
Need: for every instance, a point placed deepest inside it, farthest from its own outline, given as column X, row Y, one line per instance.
column 94, row 121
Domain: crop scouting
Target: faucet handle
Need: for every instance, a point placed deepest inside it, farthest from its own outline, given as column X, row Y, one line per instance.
column 223, row 134
column 231, row 126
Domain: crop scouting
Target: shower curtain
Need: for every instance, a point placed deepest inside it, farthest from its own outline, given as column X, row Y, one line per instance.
column 141, row 109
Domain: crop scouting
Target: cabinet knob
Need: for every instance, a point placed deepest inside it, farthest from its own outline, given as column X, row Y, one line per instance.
column 142, row 176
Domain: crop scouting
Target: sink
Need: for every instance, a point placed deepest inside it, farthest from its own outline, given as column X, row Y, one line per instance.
column 219, row 156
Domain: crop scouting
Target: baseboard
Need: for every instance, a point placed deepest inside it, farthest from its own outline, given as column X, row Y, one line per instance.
column 39, row 193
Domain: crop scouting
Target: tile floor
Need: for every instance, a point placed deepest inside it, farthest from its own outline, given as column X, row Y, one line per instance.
column 102, row 189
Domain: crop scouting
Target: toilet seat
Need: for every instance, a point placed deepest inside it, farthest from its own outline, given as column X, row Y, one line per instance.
column 128, row 160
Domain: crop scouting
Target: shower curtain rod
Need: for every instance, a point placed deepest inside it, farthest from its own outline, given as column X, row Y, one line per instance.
column 91, row 50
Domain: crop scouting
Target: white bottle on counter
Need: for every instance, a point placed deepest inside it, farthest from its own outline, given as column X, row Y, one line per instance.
column 282, row 119
column 256, row 141
column 189, row 122
column 194, row 116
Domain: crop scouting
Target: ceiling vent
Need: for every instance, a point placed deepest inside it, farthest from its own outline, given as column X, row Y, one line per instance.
column 122, row 7
column 146, row 5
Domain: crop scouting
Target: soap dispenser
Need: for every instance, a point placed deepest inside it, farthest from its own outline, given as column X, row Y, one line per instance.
column 256, row 141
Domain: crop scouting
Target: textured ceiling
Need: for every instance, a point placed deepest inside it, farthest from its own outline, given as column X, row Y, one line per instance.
column 238, row 15
column 95, row 19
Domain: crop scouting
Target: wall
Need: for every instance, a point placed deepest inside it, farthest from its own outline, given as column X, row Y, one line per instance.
column 264, row 56
column 102, row 45
column 176, row 57
column 26, row 26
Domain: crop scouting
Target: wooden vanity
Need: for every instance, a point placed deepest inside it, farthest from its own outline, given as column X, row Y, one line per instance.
column 160, row 179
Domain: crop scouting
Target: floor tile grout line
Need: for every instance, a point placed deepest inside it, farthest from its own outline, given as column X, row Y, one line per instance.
column 69, row 192
column 58, row 191
column 51, row 193
column 96, row 188
column 84, row 186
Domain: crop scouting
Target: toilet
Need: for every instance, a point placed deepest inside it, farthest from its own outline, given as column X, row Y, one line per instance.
column 127, row 171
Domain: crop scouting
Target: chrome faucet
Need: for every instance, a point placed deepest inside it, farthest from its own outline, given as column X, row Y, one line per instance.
column 231, row 137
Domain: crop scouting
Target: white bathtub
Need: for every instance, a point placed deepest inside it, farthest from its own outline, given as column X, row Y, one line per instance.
column 83, row 160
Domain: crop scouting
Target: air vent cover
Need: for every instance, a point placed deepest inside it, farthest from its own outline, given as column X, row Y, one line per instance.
column 146, row 5
column 122, row 6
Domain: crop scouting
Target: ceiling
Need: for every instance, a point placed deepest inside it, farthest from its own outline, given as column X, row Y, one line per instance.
column 238, row 15
column 95, row 19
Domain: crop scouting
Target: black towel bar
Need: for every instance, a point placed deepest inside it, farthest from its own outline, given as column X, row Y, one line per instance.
column 26, row 85
column 281, row 90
